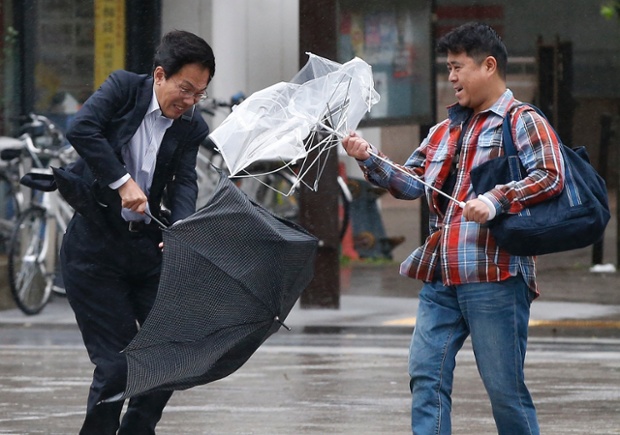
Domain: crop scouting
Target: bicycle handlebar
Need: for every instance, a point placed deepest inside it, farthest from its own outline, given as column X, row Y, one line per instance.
column 36, row 152
column 52, row 147
column 210, row 105
column 43, row 131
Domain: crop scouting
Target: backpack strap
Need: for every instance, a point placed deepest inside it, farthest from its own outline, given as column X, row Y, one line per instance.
column 517, row 170
column 507, row 139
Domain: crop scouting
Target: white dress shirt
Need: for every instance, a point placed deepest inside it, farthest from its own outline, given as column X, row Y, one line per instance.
column 140, row 154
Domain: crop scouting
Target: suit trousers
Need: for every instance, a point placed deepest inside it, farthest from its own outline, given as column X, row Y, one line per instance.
column 111, row 280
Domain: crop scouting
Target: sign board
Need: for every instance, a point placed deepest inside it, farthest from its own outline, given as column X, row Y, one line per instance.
column 394, row 37
column 109, row 38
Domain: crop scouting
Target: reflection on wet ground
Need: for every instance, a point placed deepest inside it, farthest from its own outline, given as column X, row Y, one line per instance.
column 312, row 384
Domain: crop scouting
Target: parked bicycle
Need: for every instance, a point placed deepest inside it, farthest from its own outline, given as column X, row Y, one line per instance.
column 15, row 161
column 11, row 197
column 35, row 240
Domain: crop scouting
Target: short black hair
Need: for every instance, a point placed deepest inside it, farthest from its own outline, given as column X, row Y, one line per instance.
column 179, row 48
column 476, row 40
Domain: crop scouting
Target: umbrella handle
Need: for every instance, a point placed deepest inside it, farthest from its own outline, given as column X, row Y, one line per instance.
column 162, row 225
column 277, row 319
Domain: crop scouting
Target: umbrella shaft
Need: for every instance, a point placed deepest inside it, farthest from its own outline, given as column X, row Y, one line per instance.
column 398, row 168
column 277, row 319
column 162, row 225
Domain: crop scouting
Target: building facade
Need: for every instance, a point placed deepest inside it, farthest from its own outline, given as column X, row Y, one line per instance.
column 54, row 53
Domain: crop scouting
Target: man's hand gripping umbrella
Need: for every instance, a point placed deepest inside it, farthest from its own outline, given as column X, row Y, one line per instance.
column 361, row 150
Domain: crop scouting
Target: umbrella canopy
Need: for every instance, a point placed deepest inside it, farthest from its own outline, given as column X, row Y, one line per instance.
column 231, row 273
column 293, row 123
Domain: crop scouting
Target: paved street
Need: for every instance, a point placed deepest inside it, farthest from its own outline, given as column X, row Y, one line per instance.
column 312, row 384
column 344, row 371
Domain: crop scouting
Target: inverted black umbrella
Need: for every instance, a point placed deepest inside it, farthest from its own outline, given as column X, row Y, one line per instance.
column 231, row 274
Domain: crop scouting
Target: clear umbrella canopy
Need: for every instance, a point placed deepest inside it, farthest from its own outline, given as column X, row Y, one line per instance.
column 291, row 125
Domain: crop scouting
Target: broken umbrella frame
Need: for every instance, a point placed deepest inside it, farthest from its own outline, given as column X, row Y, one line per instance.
column 231, row 274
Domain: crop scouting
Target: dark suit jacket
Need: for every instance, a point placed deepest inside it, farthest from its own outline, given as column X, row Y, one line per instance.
column 108, row 120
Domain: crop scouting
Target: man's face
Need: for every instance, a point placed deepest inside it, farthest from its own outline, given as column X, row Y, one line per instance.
column 470, row 81
column 177, row 93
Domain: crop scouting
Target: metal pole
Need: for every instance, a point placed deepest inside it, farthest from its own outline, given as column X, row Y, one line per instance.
column 319, row 215
column 597, row 248
column 319, row 210
column 25, row 13
column 143, row 34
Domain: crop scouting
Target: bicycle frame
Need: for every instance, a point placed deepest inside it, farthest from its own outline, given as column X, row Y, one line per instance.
column 36, row 237
column 58, row 213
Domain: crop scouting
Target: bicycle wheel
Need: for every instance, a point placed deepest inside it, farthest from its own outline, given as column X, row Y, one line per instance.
column 268, row 191
column 9, row 211
column 30, row 283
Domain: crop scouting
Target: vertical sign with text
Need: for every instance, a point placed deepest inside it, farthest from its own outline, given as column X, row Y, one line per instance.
column 109, row 38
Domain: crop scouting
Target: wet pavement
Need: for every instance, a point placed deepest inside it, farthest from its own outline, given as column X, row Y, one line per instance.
column 344, row 371
column 339, row 371
column 306, row 383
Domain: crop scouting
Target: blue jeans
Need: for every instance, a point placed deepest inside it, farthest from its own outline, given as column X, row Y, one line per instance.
column 496, row 315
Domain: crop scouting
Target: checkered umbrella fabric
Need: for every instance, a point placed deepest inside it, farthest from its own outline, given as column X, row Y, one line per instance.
column 231, row 274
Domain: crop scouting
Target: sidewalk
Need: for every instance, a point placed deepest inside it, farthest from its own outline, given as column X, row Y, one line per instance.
column 573, row 301
column 355, row 381
column 375, row 299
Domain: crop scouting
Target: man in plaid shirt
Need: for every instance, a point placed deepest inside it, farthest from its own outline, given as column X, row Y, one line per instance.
column 472, row 287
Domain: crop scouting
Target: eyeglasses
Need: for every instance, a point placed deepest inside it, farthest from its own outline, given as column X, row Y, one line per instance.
column 185, row 92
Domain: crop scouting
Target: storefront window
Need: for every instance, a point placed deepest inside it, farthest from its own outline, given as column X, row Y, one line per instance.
column 393, row 36
column 64, row 57
column 78, row 43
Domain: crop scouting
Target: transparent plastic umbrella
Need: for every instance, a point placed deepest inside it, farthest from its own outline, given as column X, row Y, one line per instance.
column 294, row 124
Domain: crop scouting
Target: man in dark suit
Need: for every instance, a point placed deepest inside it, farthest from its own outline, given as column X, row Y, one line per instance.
column 138, row 138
